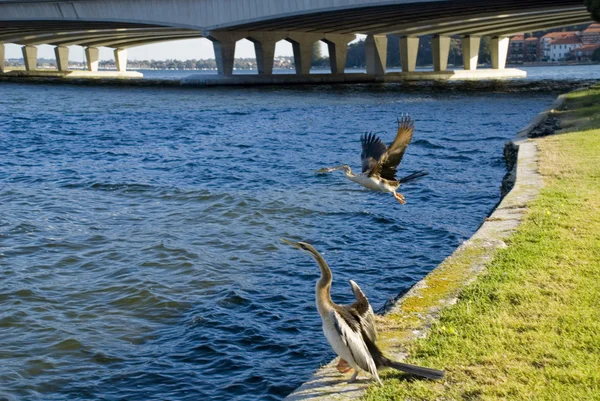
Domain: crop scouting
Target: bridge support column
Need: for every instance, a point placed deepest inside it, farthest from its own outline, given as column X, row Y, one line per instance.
column 440, row 47
column 224, row 46
column 62, row 58
column 264, row 47
column 337, row 45
column 92, row 58
column 121, row 59
column 30, row 57
column 470, row 49
column 409, row 49
column 2, row 58
column 303, row 47
column 265, row 55
column 224, row 55
column 499, row 52
column 376, row 54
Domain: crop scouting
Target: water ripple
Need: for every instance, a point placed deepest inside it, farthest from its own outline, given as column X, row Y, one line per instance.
column 139, row 244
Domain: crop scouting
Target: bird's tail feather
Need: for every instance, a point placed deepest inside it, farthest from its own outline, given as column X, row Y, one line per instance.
column 381, row 360
column 428, row 373
column 413, row 176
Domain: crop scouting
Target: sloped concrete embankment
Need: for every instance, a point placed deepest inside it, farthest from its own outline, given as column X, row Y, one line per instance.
column 412, row 315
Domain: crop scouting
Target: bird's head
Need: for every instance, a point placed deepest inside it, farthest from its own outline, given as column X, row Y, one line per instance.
column 303, row 246
column 326, row 170
column 325, row 280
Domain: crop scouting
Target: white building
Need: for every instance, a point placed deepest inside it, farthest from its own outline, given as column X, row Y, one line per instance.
column 560, row 48
column 550, row 38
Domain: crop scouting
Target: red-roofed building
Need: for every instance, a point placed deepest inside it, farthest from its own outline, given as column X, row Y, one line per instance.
column 522, row 50
column 553, row 36
column 560, row 49
column 584, row 53
column 516, row 49
column 591, row 35
column 532, row 51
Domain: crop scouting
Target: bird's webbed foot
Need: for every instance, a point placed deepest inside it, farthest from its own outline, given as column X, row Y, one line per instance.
column 399, row 198
column 343, row 366
column 354, row 377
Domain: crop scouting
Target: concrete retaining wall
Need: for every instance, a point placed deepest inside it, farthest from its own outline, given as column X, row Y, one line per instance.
column 412, row 315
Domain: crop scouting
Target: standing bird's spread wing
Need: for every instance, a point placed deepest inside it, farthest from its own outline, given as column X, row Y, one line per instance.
column 349, row 332
column 386, row 165
column 364, row 312
column 372, row 150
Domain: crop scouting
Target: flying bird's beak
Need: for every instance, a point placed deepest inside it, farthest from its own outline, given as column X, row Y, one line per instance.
column 294, row 244
column 322, row 170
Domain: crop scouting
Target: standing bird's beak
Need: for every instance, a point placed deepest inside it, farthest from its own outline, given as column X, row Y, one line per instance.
column 294, row 244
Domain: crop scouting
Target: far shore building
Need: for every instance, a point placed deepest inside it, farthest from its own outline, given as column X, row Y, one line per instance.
column 591, row 35
column 516, row 49
column 551, row 38
column 585, row 52
column 522, row 50
column 532, row 45
column 560, row 49
column 555, row 46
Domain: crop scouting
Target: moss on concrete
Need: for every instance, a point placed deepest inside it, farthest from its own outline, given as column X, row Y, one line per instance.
column 527, row 328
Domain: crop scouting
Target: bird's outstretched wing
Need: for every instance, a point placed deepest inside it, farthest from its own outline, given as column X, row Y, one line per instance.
column 387, row 164
column 364, row 312
column 372, row 150
column 349, row 333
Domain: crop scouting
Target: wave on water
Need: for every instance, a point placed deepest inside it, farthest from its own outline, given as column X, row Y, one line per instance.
column 141, row 257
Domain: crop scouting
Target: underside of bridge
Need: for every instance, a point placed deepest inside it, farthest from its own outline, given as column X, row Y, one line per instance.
column 103, row 23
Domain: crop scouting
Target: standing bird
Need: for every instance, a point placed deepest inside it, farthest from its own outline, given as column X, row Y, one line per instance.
column 350, row 329
column 379, row 163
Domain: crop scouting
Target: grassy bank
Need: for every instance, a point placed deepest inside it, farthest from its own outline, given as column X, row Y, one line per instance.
column 529, row 327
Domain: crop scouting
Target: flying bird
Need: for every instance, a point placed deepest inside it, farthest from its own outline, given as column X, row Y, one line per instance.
column 379, row 162
column 350, row 329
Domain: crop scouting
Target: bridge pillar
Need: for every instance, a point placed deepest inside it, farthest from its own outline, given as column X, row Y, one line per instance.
column 303, row 48
column 2, row 58
column 62, row 58
column 224, row 46
column 409, row 49
column 440, row 48
column 376, row 54
column 265, row 55
column 470, row 49
column 499, row 52
column 224, row 55
column 92, row 57
column 30, row 57
column 337, row 45
column 121, row 59
column 264, row 48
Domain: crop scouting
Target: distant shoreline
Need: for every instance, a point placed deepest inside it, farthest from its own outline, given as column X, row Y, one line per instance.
column 323, row 67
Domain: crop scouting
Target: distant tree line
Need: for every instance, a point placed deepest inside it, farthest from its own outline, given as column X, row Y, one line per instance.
column 203, row 64
column 356, row 52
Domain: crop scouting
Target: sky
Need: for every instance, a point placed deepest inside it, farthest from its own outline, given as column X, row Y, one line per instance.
column 180, row 49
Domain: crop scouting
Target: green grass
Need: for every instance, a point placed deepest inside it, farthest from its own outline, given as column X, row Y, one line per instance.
column 529, row 327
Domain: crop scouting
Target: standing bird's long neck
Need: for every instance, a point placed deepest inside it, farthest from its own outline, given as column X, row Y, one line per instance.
column 323, row 287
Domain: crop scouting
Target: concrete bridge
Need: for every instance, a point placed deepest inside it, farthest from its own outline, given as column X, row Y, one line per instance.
column 122, row 24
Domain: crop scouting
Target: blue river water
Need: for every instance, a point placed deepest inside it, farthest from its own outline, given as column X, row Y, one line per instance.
column 139, row 227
